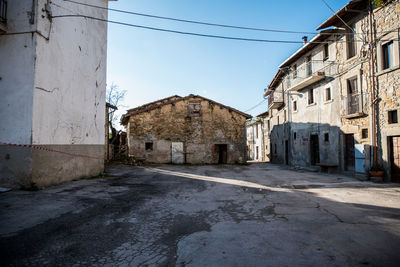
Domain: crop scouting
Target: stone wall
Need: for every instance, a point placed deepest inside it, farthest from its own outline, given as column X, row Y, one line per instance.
column 199, row 133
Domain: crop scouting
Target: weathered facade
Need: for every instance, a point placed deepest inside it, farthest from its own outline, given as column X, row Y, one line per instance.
column 256, row 139
column 190, row 129
column 53, row 84
column 337, row 98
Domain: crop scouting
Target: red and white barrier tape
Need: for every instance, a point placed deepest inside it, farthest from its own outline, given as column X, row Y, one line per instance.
column 50, row 150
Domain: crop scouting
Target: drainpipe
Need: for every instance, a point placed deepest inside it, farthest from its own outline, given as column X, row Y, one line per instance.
column 373, row 87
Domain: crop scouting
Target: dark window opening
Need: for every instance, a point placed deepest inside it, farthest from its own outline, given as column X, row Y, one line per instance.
column 310, row 96
column 275, row 149
column 278, row 120
column 328, row 94
column 295, row 105
column 284, row 115
column 309, row 66
column 294, row 135
column 294, row 71
column 387, row 55
column 326, row 137
column 364, row 133
column 351, row 44
column 326, row 52
column 149, row 146
column 392, row 115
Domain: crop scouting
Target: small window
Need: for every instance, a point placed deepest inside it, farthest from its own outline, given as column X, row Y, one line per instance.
column 256, row 131
column 149, row 146
column 364, row 133
column 294, row 71
column 256, row 152
column 351, row 44
column 310, row 96
column 278, row 120
column 284, row 115
column 392, row 115
column 326, row 137
column 387, row 50
column 294, row 135
column 294, row 105
column 352, row 86
column 268, row 125
column 309, row 66
column 328, row 95
column 326, row 52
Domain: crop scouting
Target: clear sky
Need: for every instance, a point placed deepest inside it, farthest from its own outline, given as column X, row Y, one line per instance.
column 152, row 65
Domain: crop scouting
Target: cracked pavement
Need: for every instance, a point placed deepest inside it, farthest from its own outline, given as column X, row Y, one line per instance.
column 169, row 215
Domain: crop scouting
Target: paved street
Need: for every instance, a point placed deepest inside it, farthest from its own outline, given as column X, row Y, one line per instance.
column 168, row 215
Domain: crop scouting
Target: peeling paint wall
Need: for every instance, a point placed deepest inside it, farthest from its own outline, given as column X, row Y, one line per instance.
column 199, row 134
column 53, row 80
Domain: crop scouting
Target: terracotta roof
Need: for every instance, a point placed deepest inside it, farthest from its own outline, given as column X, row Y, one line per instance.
column 172, row 100
column 346, row 13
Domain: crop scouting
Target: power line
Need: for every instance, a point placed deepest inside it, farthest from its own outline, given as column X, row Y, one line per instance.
column 190, row 33
column 180, row 32
column 256, row 105
column 338, row 16
column 195, row 22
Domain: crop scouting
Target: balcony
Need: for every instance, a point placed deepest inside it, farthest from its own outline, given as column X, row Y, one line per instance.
column 354, row 106
column 3, row 16
column 309, row 73
column 275, row 100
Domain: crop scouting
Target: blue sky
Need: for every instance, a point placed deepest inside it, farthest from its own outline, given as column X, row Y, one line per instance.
column 152, row 65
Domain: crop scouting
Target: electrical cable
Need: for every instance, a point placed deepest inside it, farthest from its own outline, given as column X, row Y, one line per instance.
column 197, row 22
column 190, row 33
column 265, row 99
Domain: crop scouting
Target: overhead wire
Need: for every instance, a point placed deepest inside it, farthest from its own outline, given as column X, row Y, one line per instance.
column 197, row 22
column 265, row 99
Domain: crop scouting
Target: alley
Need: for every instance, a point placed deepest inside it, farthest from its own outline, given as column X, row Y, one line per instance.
column 215, row 215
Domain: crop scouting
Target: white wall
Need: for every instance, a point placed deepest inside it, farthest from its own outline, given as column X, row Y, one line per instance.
column 17, row 57
column 70, row 77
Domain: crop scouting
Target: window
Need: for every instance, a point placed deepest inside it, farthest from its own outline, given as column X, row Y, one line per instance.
column 268, row 125
column 294, row 71
column 309, row 66
column 387, row 51
column 326, row 52
column 326, row 137
column 392, row 116
column 364, row 133
column 352, row 86
column 256, row 152
column 294, row 135
column 256, row 131
column 278, row 120
column 310, row 96
column 149, row 146
column 328, row 94
column 351, row 44
column 284, row 115
column 294, row 105
column 194, row 108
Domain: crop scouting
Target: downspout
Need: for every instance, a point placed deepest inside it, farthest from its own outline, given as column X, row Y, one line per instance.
column 373, row 87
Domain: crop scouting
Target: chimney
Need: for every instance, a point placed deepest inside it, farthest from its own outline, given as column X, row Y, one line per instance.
column 304, row 39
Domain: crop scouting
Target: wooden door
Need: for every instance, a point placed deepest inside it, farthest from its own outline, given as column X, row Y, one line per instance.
column 314, row 149
column 395, row 158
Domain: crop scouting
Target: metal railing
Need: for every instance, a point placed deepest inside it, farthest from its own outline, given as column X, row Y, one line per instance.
column 317, row 67
column 3, row 11
column 354, row 104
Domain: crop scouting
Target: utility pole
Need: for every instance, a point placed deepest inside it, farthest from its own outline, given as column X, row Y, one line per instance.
column 374, row 98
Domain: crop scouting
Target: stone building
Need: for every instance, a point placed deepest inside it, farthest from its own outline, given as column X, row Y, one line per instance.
column 190, row 129
column 336, row 99
column 255, row 138
column 53, row 84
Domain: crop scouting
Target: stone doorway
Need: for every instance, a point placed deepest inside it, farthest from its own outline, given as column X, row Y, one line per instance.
column 221, row 151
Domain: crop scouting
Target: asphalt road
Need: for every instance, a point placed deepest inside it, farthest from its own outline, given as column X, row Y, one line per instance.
column 256, row 215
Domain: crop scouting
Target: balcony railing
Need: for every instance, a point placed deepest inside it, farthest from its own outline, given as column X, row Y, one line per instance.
column 275, row 99
column 3, row 11
column 309, row 73
column 354, row 105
